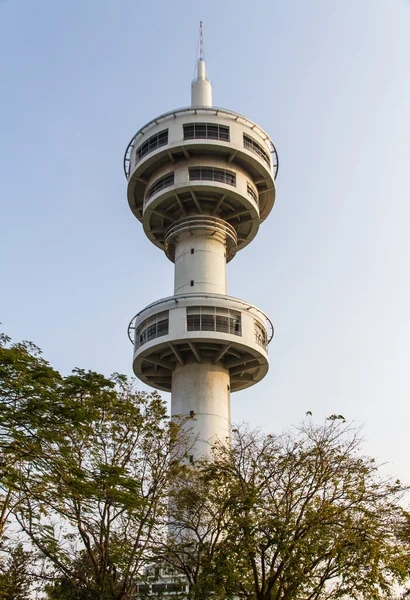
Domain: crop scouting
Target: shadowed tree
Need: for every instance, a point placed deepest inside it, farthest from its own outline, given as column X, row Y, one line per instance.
column 95, row 475
column 28, row 396
column 304, row 516
column 199, row 517
column 100, row 488
column 15, row 575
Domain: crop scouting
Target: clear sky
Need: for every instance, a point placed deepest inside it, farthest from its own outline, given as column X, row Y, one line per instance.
column 330, row 82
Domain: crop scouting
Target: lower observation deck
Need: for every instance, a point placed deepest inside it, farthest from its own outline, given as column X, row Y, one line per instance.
column 201, row 328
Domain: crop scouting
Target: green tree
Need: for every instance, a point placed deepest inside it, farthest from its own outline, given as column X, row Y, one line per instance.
column 73, row 587
column 28, row 392
column 99, row 488
column 305, row 517
column 199, row 518
column 15, row 576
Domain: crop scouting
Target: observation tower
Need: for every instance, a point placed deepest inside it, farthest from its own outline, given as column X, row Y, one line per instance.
column 201, row 180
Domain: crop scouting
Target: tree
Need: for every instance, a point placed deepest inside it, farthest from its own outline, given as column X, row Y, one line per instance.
column 305, row 516
column 75, row 586
column 199, row 517
column 94, row 473
column 28, row 391
column 15, row 577
column 99, row 487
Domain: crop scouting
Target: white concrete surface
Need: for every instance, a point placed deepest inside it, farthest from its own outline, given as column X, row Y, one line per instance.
column 200, row 264
column 202, row 390
column 201, row 89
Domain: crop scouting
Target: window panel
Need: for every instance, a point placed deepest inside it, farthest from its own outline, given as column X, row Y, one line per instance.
column 251, row 192
column 160, row 184
column 212, row 174
column 260, row 335
column 207, row 322
column 189, row 132
column 252, row 145
column 162, row 328
column 193, row 322
column 208, row 318
column 151, row 328
column 212, row 131
column 222, row 324
column 151, row 144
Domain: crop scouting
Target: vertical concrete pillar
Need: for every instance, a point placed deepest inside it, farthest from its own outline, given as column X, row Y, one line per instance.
column 200, row 264
column 201, row 391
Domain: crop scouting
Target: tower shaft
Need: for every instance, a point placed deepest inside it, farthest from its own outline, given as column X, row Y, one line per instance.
column 200, row 263
column 201, row 391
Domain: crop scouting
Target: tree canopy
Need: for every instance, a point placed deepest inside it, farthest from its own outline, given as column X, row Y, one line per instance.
column 94, row 480
column 88, row 465
column 301, row 516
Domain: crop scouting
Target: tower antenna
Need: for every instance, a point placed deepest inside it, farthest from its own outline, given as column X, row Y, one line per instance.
column 201, row 42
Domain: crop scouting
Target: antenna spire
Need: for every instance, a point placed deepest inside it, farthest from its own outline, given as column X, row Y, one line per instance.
column 201, row 91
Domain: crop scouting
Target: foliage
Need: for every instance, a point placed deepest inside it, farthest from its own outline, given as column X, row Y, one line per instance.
column 94, row 474
column 100, row 486
column 86, row 467
column 198, row 520
column 73, row 587
column 304, row 516
column 15, row 578
column 28, row 387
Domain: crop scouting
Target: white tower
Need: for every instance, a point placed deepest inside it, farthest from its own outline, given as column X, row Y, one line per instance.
column 201, row 180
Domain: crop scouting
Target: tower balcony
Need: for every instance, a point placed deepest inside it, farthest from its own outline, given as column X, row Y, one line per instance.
column 200, row 328
column 197, row 133
column 209, row 187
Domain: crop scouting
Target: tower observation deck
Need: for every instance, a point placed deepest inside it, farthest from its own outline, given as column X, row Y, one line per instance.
column 201, row 180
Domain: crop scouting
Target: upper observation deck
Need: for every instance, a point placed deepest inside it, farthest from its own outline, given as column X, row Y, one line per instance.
column 201, row 160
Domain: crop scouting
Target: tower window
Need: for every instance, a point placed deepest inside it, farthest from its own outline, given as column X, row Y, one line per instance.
column 251, row 192
column 252, row 145
column 192, row 414
column 191, row 458
column 192, row 283
column 207, row 131
column 260, row 335
column 212, row 174
column 160, row 184
column 213, row 318
column 151, row 328
column 192, row 250
column 151, row 144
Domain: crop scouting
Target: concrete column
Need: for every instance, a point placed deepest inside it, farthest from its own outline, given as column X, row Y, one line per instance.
column 200, row 264
column 201, row 390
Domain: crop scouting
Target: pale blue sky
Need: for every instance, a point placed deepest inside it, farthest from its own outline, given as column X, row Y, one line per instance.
column 330, row 82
